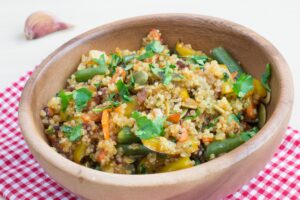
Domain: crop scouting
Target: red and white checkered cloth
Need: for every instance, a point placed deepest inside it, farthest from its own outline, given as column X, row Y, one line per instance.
column 21, row 177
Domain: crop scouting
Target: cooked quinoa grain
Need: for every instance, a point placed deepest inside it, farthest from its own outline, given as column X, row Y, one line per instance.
column 154, row 109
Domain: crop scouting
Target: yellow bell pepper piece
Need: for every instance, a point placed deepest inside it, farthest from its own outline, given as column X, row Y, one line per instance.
column 79, row 152
column 180, row 163
column 184, row 94
column 131, row 106
column 227, row 88
column 184, row 50
column 259, row 89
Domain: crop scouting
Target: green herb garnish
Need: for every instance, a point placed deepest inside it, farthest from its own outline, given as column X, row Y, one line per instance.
column 265, row 77
column 243, row 85
column 123, row 91
column 155, row 46
column 199, row 59
column 81, row 98
column 148, row 54
column 65, row 98
column 100, row 61
column 232, row 117
column 128, row 58
column 148, row 128
column 72, row 133
column 165, row 73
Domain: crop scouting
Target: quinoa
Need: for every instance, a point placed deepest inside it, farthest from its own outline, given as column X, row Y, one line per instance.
column 147, row 111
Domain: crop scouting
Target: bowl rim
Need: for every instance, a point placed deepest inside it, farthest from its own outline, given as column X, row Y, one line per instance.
column 41, row 147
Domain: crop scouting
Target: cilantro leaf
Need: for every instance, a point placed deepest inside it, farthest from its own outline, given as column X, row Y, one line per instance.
column 165, row 73
column 243, row 85
column 155, row 46
column 148, row 54
column 72, row 133
column 81, row 97
column 199, row 59
column 100, row 61
column 65, row 98
column 128, row 58
column 168, row 75
column 115, row 60
column 232, row 117
column 265, row 77
column 123, row 91
column 191, row 117
column 148, row 128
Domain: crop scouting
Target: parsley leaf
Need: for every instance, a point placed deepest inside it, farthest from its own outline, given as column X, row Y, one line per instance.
column 165, row 73
column 232, row 117
column 266, row 76
column 72, row 133
column 123, row 91
column 100, row 61
column 65, row 98
column 191, row 117
column 155, row 46
column 243, row 85
column 199, row 59
column 148, row 54
column 148, row 128
column 81, row 97
column 128, row 58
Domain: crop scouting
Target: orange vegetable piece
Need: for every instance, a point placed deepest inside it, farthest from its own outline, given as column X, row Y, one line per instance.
column 154, row 34
column 174, row 118
column 105, row 124
column 250, row 110
column 101, row 155
column 184, row 135
column 234, row 74
column 120, row 72
column 118, row 109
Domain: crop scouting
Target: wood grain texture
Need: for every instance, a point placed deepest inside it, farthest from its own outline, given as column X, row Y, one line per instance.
column 211, row 180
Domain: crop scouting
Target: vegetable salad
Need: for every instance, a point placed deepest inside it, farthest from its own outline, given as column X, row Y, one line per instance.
column 155, row 109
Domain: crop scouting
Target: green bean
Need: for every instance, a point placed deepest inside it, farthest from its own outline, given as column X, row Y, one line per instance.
column 86, row 74
column 140, row 77
column 223, row 57
column 218, row 147
column 262, row 115
column 125, row 136
column 133, row 149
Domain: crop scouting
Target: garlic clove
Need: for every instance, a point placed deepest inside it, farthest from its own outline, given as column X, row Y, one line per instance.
column 39, row 24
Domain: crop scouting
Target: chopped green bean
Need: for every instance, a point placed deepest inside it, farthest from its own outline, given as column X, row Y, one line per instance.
column 86, row 74
column 125, row 136
column 223, row 57
column 133, row 149
column 218, row 147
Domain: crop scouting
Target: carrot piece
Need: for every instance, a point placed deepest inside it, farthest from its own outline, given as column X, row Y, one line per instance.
column 154, row 34
column 250, row 110
column 101, row 155
column 119, row 72
column 91, row 117
column 118, row 109
column 105, row 124
column 207, row 139
column 184, row 135
column 234, row 74
column 85, row 118
column 174, row 118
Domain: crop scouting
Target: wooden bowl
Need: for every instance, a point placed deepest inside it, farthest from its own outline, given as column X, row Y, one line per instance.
column 211, row 180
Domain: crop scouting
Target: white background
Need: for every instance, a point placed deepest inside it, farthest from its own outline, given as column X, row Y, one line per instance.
column 277, row 20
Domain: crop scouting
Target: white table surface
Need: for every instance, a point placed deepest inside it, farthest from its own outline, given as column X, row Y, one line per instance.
column 277, row 20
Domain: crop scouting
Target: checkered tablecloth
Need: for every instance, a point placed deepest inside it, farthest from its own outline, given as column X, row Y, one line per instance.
column 21, row 177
